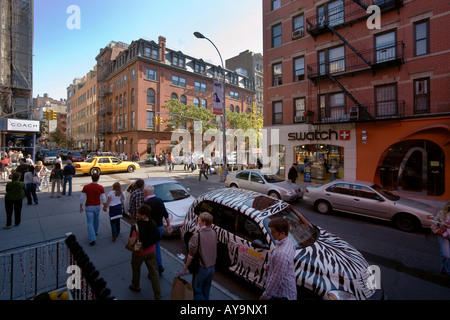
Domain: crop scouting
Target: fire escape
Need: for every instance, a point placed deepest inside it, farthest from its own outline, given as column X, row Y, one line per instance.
column 336, row 15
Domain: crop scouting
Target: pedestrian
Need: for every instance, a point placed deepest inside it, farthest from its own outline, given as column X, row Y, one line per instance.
column 92, row 196
column 441, row 227
column 28, row 160
column 292, row 174
column 43, row 175
column 114, row 200
column 13, row 200
column 202, row 166
column 22, row 168
column 56, row 178
column 146, row 230
column 171, row 160
column 201, row 282
column 159, row 213
column 280, row 282
column 68, row 173
column 31, row 185
column 57, row 160
column 136, row 198
column 4, row 168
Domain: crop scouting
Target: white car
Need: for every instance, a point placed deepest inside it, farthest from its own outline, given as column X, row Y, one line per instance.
column 371, row 200
column 264, row 182
column 50, row 158
column 176, row 198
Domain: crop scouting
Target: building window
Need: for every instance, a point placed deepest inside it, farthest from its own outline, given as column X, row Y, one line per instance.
column 421, row 38
column 204, row 104
column 276, row 35
column 237, row 109
column 299, row 69
column 133, row 93
column 183, row 99
column 200, row 86
column 132, row 74
column 234, row 95
column 278, row 112
column 174, row 96
column 150, row 115
column 277, row 74
column 151, row 52
column 385, row 47
column 299, row 110
column 178, row 60
column 332, row 107
column 386, row 100
column 231, row 108
column 332, row 60
column 150, row 96
column 276, row 4
column 124, row 104
column 151, row 74
column 298, row 26
column 179, row 81
column 132, row 118
column 422, row 95
column 196, row 102
column 199, row 67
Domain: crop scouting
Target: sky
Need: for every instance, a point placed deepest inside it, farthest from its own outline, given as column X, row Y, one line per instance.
column 68, row 34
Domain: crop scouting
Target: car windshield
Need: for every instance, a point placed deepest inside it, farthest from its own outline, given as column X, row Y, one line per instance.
column 89, row 160
column 272, row 178
column 52, row 154
column 301, row 231
column 77, row 154
column 171, row 192
column 385, row 193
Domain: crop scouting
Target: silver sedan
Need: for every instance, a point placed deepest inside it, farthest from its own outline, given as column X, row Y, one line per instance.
column 266, row 183
column 368, row 199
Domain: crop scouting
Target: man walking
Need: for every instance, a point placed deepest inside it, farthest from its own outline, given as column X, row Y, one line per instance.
column 68, row 173
column 201, row 282
column 159, row 213
column 292, row 174
column 136, row 198
column 280, row 282
column 92, row 196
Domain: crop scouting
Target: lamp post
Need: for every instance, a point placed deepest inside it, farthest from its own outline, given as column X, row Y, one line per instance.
column 224, row 147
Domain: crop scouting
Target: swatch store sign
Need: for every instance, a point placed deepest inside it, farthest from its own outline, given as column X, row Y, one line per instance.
column 320, row 135
column 21, row 125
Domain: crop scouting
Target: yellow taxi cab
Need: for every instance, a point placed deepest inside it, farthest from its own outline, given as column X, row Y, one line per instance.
column 105, row 164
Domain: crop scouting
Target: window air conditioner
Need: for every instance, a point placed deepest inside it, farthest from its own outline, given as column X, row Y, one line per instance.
column 297, row 34
column 299, row 119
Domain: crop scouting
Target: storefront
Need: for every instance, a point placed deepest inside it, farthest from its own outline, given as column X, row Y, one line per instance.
column 19, row 134
column 326, row 152
column 408, row 156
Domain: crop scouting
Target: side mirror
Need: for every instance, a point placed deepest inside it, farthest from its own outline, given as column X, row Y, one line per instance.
column 258, row 244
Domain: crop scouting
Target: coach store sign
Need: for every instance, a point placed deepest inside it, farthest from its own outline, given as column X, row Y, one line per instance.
column 22, row 125
column 320, row 135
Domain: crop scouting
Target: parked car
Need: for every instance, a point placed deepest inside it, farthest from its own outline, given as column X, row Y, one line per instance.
column 175, row 196
column 326, row 266
column 105, row 164
column 369, row 199
column 50, row 157
column 264, row 182
column 76, row 156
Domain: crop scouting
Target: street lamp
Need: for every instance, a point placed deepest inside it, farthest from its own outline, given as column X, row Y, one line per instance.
column 224, row 150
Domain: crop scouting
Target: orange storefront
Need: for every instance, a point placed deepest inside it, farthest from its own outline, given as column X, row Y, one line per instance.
column 409, row 156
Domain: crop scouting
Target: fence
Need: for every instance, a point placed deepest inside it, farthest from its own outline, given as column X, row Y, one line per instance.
column 29, row 271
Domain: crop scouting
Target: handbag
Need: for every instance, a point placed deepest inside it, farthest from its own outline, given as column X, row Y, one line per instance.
column 181, row 289
column 36, row 180
column 134, row 246
column 194, row 266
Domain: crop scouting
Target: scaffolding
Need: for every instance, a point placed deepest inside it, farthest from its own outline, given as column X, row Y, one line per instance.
column 16, row 58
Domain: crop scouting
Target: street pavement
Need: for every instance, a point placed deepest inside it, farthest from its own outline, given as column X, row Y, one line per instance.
column 56, row 217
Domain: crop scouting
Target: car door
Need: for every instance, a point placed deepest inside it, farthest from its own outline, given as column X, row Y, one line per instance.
column 257, row 183
column 116, row 164
column 368, row 202
column 104, row 164
column 242, row 178
column 340, row 196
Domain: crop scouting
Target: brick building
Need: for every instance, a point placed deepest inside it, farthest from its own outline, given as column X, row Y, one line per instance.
column 135, row 81
column 372, row 103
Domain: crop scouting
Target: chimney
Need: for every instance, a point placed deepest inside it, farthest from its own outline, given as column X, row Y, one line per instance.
column 162, row 44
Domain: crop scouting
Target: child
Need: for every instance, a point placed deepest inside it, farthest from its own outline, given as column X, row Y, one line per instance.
column 114, row 202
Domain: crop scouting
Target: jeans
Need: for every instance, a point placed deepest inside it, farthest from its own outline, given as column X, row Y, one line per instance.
column 16, row 206
column 30, row 191
column 57, row 183
column 150, row 262
column 92, row 217
column 444, row 245
column 115, row 227
column 158, row 247
column 69, row 180
column 201, row 283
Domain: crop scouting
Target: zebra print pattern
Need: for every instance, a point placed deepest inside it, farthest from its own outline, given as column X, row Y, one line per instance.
column 329, row 263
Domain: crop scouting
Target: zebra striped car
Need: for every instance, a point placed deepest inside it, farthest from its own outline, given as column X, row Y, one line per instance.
column 326, row 266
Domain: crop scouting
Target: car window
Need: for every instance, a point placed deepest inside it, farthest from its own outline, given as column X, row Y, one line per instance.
column 255, row 177
column 363, row 192
column 341, row 188
column 301, row 231
column 170, row 192
column 115, row 160
column 249, row 230
column 103, row 160
column 272, row 178
column 242, row 175
column 385, row 193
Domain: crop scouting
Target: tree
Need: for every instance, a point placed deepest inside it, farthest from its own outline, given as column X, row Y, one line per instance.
column 59, row 137
column 186, row 114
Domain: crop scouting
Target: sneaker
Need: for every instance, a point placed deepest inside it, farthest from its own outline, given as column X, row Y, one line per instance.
column 92, row 243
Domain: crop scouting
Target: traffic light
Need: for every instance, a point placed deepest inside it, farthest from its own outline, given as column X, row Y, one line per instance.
column 157, row 120
column 53, row 115
column 46, row 115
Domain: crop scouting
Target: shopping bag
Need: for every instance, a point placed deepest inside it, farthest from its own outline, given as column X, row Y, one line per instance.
column 181, row 289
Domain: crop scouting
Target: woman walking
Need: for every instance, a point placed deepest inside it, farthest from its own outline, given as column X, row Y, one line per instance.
column 56, row 178
column 441, row 227
column 114, row 201
column 13, row 200
column 30, row 185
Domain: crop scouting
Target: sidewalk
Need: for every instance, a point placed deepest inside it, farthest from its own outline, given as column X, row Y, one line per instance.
column 55, row 217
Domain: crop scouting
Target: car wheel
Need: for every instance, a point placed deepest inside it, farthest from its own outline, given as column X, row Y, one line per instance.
column 233, row 185
column 274, row 194
column 406, row 222
column 323, row 207
column 131, row 169
column 95, row 171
